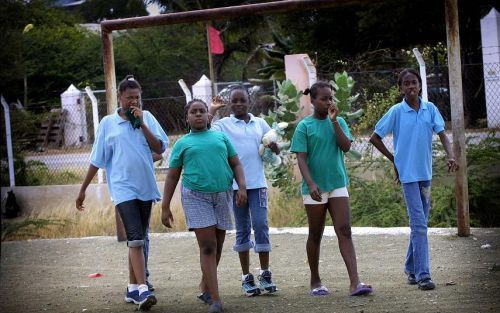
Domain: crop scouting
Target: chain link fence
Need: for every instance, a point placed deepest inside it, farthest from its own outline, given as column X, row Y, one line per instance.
column 53, row 145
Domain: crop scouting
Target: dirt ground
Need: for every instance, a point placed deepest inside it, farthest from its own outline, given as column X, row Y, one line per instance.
column 51, row 275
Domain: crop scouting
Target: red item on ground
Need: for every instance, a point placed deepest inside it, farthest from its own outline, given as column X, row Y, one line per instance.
column 95, row 275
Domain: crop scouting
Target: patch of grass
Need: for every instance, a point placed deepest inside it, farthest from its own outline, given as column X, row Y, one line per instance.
column 29, row 228
column 285, row 210
column 66, row 222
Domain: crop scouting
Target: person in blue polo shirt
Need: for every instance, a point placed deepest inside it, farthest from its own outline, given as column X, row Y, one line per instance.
column 412, row 123
column 124, row 147
column 245, row 132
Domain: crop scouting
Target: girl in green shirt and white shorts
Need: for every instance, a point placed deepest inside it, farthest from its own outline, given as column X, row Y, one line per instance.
column 320, row 141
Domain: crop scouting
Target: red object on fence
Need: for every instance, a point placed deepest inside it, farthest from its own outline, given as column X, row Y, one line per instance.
column 216, row 44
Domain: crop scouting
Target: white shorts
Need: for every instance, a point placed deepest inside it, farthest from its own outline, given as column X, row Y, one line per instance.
column 335, row 193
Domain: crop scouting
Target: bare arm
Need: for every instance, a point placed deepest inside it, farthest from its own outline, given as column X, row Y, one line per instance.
column 216, row 104
column 342, row 140
column 450, row 156
column 168, row 192
column 88, row 178
column 241, row 195
column 153, row 142
column 379, row 144
column 314, row 190
column 157, row 156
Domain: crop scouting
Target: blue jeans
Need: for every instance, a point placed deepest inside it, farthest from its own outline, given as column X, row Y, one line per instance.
column 252, row 214
column 418, row 199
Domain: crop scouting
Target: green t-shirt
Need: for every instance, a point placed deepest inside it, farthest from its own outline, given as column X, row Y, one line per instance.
column 325, row 159
column 204, row 159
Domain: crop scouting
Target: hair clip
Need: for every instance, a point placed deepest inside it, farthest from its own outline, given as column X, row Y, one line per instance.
column 131, row 78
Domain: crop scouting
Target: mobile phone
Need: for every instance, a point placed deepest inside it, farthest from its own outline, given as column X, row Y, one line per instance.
column 136, row 123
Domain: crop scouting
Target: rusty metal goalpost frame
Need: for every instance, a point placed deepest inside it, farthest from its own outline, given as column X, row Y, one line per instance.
column 276, row 7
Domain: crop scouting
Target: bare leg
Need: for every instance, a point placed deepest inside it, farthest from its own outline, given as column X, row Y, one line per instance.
column 221, row 236
column 316, row 214
column 341, row 216
column 264, row 260
column 207, row 241
column 244, row 261
column 137, row 274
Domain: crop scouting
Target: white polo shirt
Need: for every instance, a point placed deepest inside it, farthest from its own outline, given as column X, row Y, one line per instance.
column 246, row 138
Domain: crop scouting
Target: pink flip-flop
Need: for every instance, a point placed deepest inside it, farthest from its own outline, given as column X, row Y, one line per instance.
column 319, row 291
column 362, row 290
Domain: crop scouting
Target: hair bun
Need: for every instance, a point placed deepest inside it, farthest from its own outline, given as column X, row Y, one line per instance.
column 307, row 91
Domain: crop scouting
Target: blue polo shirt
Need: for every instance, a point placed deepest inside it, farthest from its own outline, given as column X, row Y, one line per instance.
column 246, row 138
column 125, row 155
column 412, row 138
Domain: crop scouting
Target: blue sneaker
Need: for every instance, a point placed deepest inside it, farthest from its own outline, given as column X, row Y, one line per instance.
column 132, row 296
column 216, row 307
column 248, row 286
column 146, row 300
column 266, row 282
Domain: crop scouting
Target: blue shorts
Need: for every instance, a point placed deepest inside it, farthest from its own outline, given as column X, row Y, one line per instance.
column 135, row 215
column 202, row 209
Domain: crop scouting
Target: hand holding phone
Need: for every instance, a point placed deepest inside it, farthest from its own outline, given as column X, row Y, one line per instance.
column 136, row 123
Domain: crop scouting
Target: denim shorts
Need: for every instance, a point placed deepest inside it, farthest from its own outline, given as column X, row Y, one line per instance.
column 252, row 215
column 135, row 215
column 202, row 209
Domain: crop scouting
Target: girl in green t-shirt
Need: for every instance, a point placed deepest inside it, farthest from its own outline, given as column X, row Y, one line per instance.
column 320, row 141
column 208, row 162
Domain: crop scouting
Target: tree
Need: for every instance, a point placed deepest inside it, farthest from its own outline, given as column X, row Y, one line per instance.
column 98, row 10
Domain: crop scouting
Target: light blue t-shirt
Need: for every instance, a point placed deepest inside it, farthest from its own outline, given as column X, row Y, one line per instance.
column 412, row 138
column 325, row 159
column 125, row 155
column 246, row 138
column 203, row 157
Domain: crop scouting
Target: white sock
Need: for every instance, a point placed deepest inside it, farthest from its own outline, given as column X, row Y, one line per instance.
column 243, row 277
column 142, row 288
column 132, row 287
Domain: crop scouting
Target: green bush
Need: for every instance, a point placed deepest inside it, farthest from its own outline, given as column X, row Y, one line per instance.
column 375, row 107
column 378, row 201
column 483, row 164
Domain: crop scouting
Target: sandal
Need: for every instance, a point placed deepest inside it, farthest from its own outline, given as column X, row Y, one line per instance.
column 362, row 290
column 205, row 297
column 319, row 291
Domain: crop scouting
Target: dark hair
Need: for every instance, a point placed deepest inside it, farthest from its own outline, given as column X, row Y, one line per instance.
column 188, row 105
column 238, row 87
column 128, row 82
column 408, row 71
column 314, row 88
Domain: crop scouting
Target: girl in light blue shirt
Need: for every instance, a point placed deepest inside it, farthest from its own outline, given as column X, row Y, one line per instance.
column 123, row 147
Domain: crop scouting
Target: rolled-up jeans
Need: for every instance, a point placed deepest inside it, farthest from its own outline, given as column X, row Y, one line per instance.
column 252, row 214
column 418, row 199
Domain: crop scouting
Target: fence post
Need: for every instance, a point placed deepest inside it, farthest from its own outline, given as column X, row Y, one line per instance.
column 8, row 138
column 457, row 116
column 423, row 73
column 111, row 102
column 95, row 120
